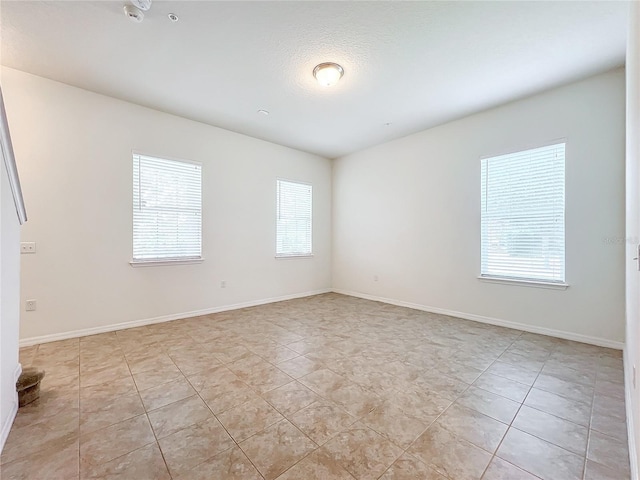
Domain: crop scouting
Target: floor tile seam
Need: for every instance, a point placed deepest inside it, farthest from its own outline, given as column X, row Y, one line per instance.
column 166, row 465
column 236, row 443
column 495, row 452
column 154, row 442
column 588, row 427
column 544, row 389
column 243, row 440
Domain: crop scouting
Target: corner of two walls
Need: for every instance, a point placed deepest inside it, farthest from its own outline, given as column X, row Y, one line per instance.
column 406, row 215
column 74, row 153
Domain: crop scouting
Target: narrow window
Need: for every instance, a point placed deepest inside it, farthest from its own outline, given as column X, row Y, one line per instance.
column 167, row 210
column 293, row 223
column 523, row 202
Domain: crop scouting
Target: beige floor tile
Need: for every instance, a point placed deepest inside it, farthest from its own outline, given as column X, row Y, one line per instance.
column 491, row 404
column 249, row 418
column 106, row 392
column 167, row 393
column 47, row 434
column 232, row 464
column 597, row 471
column 572, row 410
column 565, row 434
column 290, row 398
column 502, row 386
column 609, row 452
column 355, row 399
column 266, row 378
column 513, row 372
column 146, row 462
column 213, row 377
column 408, row 467
column 362, row 452
column 318, row 464
column 572, row 390
column 193, row 445
column 106, row 374
column 176, row 416
column 322, row 420
column 114, row 441
column 97, row 415
column 500, row 470
column 539, row 457
column 395, row 424
column 323, row 381
column 154, row 378
column 226, row 396
column 298, row 367
column 277, row 448
column 450, row 455
column 474, row 427
column 61, row 461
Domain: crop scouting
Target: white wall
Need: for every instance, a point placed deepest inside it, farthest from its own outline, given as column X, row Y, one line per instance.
column 75, row 162
column 633, row 234
column 408, row 211
column 9, row 306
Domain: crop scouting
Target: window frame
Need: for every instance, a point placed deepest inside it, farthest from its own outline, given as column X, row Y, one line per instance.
column 160, row 261
column 529, row 282
column 286, row 256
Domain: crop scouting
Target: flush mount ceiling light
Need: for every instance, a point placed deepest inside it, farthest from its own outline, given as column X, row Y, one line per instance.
column 328, row 73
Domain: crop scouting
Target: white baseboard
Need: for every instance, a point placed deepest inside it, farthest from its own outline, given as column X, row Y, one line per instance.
column 628, row 385
column 8, row 422
column 601, row 342
column 25, row 342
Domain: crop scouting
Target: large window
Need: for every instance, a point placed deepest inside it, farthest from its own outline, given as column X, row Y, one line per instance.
column 167, row 210
column 293, row 223
column 523, row 215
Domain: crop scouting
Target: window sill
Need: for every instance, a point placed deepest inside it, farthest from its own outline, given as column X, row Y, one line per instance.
column 288, row 257
column 524, row 283
column 163, row 263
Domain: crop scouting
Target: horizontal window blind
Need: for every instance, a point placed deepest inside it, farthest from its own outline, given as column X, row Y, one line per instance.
column 167, row 209
column 293, row 225
column 522, row 221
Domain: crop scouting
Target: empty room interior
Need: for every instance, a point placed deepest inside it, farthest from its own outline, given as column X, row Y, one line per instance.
column 319, row 240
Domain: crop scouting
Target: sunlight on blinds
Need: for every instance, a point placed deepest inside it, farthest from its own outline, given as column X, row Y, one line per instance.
column 522, row 223
column 293, row 224
column 167, row 209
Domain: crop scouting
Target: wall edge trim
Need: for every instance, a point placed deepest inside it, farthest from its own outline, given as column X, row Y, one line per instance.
column 576, row 337
column 633, row 457
column 6, row 427
column 25, row 342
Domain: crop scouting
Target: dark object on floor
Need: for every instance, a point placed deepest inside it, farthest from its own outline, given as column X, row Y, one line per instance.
column 28, row 385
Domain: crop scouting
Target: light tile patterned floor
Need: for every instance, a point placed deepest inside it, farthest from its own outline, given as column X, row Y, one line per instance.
column 326, row 387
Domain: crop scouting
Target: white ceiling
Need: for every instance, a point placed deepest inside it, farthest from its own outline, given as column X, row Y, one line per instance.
column 412, row 64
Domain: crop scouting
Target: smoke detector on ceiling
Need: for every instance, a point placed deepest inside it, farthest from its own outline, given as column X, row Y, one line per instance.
column 133, row 13
column 143, row 5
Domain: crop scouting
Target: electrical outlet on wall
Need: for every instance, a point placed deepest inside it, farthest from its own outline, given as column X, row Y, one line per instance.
column 28, row 247
column 30, row 305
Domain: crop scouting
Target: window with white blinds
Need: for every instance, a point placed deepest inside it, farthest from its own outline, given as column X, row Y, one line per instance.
column 293, row 223
column 523, row 201
column 167, row 210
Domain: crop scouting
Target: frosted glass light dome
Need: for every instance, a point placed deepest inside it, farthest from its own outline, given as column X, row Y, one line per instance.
column 328, row 74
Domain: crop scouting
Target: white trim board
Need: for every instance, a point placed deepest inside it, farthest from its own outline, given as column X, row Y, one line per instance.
column 6, row 427
column 633, row 455
column 601, row 342
column 25, row 342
